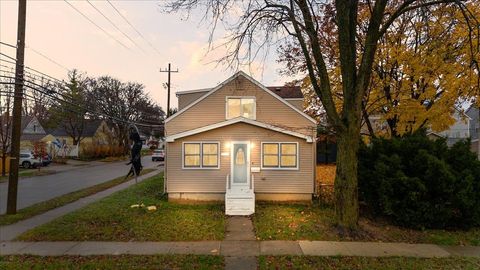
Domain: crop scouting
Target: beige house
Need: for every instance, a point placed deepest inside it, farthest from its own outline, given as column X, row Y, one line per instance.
column 240, row 142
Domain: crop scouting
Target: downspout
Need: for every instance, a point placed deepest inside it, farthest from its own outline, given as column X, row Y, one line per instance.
column 165, row 170
column 165, row 162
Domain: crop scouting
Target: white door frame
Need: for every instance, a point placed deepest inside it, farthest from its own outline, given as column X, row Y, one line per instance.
column 232, row 158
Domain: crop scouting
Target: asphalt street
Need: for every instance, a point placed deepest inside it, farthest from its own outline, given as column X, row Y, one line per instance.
column 41, row 188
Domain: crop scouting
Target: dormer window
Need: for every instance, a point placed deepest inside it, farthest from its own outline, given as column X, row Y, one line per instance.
column 241, row 107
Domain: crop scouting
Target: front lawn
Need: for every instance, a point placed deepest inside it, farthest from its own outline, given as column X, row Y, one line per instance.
column 45, row 206
column 351, row 263
column 113, row 262
column 113, row 219
column 315, row 222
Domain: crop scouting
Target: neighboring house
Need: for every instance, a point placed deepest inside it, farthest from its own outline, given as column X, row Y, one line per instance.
column 95, row 132
column 474, row 114
column 238, row 142
column 32, row 132
column 460, row 130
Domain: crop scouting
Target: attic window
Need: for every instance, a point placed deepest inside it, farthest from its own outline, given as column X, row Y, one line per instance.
column 241, row 107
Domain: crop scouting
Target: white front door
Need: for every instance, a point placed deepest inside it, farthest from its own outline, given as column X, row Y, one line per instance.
column 240, row 166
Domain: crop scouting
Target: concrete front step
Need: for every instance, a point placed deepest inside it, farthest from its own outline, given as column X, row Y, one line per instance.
column 239, row 204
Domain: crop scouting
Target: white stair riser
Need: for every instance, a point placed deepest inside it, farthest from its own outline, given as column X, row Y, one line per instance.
column 239, row 204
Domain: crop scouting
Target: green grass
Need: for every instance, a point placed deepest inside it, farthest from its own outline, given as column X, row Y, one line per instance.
column 45, row 206
column 351, row 263
column 316, row 222
column 112, row 219
column 25, row 173
column 113, row 262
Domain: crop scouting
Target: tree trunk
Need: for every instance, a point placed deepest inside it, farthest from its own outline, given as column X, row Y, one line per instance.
column 346, row 191
column 4, row 162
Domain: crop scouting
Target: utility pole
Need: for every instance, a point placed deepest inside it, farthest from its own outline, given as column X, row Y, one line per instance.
column 17, row 110
column 169, row 71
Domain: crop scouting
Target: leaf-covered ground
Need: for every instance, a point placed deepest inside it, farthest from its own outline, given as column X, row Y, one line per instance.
column 112, row 262
column 112, row 219
column 354, row 263
column 315, row 222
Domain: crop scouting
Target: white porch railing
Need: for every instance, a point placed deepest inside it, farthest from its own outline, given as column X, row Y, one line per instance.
column 228, row 184
column 252, row 182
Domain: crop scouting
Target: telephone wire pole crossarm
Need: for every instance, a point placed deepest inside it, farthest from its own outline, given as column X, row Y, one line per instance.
column 169, row 71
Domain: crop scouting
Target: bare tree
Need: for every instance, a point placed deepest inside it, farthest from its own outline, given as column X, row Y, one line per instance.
column 125, row 103
column 256, row 25
column 6, row 103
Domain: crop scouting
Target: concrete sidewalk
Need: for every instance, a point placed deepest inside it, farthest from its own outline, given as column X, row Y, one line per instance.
column 239, row 249
column 10, row 232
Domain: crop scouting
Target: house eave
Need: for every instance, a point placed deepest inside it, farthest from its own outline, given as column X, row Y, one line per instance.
column 173, row 137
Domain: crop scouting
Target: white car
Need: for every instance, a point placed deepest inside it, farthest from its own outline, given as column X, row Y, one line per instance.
column 27, row 160
column 158, row 155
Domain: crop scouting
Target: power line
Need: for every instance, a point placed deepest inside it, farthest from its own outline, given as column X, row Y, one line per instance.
column 133, row 27
column 92, row 22
column 32, row 69
column 50, row 92
column 8, row 57
column 48, row 58
column 114, row 25
column 60, row 83
column 9, row 45
column 37, row 52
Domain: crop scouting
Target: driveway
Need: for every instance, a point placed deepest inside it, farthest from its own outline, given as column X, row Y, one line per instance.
column 41, row 188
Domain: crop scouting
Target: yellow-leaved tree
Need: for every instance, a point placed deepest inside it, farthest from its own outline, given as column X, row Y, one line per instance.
column 424, row 69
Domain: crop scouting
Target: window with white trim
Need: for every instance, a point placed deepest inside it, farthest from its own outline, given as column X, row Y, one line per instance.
column 279, row 155
column 241, row 107
column 201, row 155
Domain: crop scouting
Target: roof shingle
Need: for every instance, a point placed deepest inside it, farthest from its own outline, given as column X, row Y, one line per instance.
column 286, row 91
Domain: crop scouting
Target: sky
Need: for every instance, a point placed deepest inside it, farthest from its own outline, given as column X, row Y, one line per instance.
column 60, row 33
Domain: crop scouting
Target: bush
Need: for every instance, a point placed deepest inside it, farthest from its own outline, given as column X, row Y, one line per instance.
column 92, row 151
column 420, row 183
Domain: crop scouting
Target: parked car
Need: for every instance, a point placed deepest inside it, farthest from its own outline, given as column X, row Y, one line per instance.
column 158, row 155
column 28, row 160
column 46, row 160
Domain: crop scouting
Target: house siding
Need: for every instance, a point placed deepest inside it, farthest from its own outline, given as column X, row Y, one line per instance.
column 185, row 99
column 474, row 122
column 211, row 110
column 266, row 181
column 460, row 130
column 297, row 103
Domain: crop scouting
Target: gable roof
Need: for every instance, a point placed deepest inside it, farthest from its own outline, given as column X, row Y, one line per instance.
column 26, row 119
column 89, row 129
column 172, row 138
column 287, row 91
column 234, row 76
column 192, row 91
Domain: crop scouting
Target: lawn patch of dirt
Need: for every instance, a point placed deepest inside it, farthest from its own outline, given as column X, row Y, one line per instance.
column 351, row 263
